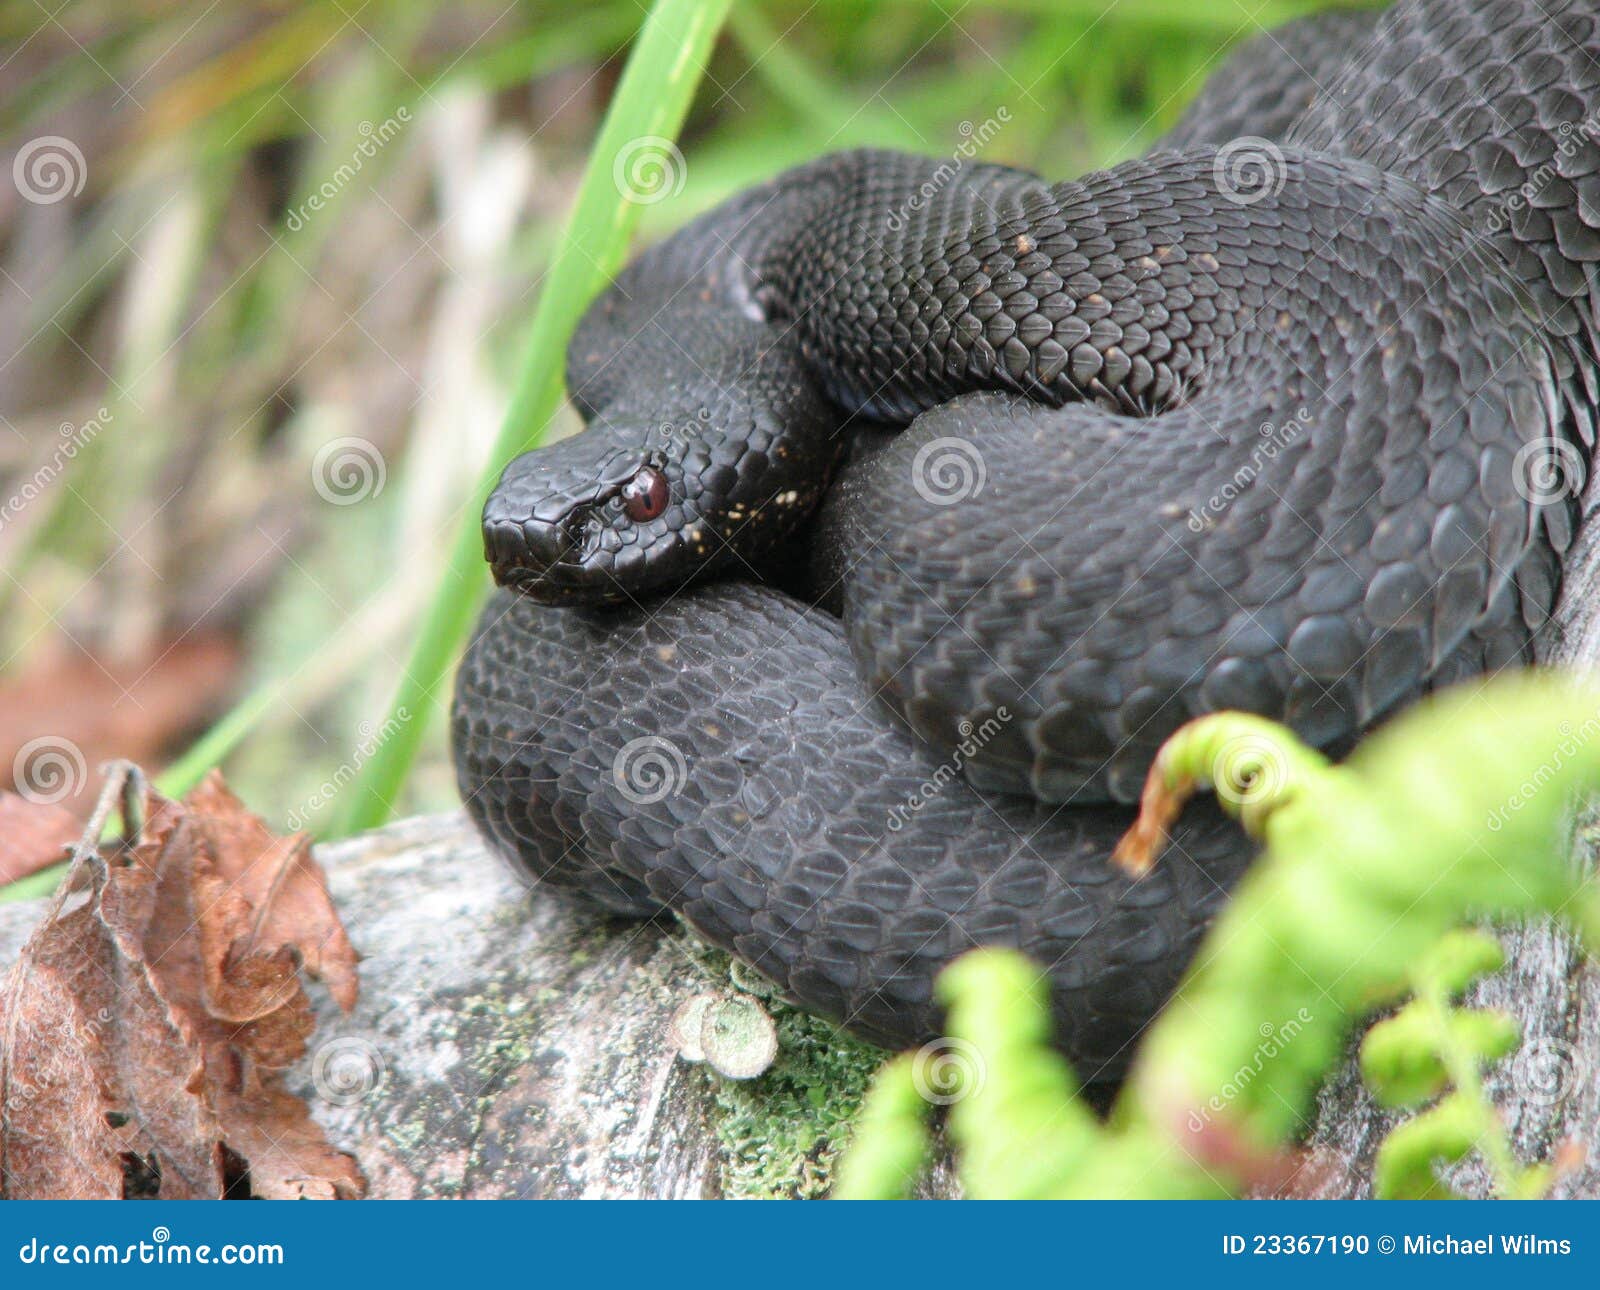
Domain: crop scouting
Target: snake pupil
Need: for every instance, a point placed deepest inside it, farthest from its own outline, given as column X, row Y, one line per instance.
column 644, row 497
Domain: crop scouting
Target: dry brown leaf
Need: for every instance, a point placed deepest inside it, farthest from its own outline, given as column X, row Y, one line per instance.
column 282, row 883
column 33, row 835
column 145, row 1027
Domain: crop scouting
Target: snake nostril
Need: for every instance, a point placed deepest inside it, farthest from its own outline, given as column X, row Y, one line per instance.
column 575, row 533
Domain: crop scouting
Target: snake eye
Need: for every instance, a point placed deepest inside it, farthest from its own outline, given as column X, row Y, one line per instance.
column 644, row 497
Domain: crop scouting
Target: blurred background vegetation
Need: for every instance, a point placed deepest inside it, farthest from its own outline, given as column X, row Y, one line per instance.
column 266, row 270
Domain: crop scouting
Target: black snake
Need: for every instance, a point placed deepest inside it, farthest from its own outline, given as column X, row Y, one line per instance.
column 1286, row 416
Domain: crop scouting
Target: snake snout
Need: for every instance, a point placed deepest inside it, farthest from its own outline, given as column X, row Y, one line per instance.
column 520, row 551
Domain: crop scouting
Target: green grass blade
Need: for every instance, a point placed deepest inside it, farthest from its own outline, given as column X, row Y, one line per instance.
column 652, row 99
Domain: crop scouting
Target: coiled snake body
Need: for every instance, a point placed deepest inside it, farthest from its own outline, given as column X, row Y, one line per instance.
column 1288, row 426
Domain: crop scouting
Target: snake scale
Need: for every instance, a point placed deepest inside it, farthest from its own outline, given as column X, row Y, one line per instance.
column 920, row 499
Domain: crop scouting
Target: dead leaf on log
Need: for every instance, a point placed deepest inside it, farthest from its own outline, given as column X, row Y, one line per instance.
column 33, row 835
column 145, row 1028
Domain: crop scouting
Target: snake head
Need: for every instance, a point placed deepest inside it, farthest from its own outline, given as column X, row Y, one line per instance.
column 577, row 522
column 632, row 505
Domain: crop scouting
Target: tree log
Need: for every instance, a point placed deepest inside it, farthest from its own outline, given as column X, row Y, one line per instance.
column 510, row 1043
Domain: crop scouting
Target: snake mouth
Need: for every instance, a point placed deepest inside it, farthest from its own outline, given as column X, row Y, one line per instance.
column 535, row 558
column 550, row 563
column 515, row 548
